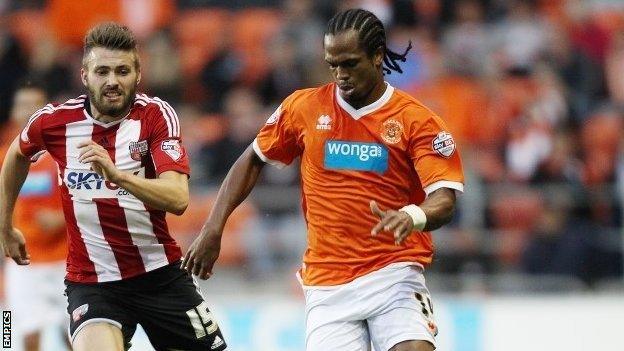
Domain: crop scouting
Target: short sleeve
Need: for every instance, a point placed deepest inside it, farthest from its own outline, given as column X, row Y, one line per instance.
column 276, row 142
column 168, row 152
column 31, row 138
column 435, row 157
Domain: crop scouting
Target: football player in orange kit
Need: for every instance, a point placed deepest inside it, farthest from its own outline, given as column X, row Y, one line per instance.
column 379, row 171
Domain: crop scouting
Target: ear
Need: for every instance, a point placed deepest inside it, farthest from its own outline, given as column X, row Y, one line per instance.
column 138, row 77
column 378, row 57
column 83, row 76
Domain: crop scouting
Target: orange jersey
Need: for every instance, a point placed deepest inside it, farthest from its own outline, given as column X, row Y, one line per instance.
column 39, row 193
column 393, row 151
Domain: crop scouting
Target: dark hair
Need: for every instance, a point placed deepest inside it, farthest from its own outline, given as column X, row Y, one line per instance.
column 371, row 35
column 31, row 82
column 111, row 36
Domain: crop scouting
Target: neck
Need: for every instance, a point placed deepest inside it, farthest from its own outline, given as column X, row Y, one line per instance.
column 373, row 95
column 98, row 116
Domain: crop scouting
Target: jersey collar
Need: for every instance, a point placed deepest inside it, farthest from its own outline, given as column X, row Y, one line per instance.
column 87, row 113
column 363, row 111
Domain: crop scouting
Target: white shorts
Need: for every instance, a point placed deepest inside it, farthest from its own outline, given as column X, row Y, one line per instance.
column 382, row 308
column 34, row 294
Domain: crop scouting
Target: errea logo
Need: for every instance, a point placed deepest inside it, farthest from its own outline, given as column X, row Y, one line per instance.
column 324, row 122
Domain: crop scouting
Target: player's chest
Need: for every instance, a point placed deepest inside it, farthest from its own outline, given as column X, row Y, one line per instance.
column 126, row 143
column 336, row 140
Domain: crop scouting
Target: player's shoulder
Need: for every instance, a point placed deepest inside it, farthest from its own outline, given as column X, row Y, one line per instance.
column 411, row 106
column 310, row 96
column 156, row 111
column 60, row 113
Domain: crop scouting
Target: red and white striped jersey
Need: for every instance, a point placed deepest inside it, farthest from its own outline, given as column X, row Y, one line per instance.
column 112, row 234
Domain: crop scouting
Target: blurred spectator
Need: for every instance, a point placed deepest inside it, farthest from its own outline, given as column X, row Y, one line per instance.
column 466, row 41
column 243, row 117
column 519, row 38
column 37, row 290
column 286, row 72
column 161, row 74
column 12, row 68
column 220, row 74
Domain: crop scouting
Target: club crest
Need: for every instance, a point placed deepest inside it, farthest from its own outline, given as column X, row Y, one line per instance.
column 79, row 312
column 138, row 149
column 391, row 131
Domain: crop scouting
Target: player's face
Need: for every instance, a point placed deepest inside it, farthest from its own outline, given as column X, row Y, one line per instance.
column 111, row 78
column 25, row 102
column 356, row 74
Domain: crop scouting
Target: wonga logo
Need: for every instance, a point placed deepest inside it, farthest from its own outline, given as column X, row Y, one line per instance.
column 356, row 156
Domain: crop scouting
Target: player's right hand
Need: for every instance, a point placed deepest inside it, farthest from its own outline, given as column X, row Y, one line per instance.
column 203, row 253
column 14, row 246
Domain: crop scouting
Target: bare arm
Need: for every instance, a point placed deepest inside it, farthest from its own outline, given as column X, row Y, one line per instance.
column 169, row 192
column 436, row 211
column 439, row 207
column 241, row 178
column 14, row 172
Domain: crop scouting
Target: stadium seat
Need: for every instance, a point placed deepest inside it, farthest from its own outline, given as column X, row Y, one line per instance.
column 253, row 29
column 198, row 33
column 27, row 28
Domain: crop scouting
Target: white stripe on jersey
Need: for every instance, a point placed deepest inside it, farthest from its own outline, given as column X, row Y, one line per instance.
column 173, row 124
column 174, row 117
column 86, row 213
column 143, row 237
column 137, row 218
column 100, row 252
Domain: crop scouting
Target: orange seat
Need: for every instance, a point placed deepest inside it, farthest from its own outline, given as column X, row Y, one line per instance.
column 252, row 32
column 199, row 34
column 28, row 26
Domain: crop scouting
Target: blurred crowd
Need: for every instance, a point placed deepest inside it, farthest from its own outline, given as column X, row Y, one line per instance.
column 533, row 91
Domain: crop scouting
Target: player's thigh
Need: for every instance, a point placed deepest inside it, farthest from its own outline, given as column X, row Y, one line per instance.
column 99, row 336
column 177, row 317
column 340, row 335
column 405, row 323
column 89, row 304
column 413, row 345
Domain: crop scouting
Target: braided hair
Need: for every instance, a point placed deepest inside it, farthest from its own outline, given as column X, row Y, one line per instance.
column 371, row 35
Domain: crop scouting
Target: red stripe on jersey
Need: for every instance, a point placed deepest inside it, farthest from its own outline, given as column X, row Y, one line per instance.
column 106, row 138
column 80, row 268
column 172, row 250
column 115, row 229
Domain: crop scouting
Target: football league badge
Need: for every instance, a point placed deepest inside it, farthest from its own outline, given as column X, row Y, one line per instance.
column 172, row 148
column 444, row 144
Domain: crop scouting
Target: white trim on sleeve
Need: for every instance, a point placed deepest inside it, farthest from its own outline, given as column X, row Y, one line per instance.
column 444, row 184
column 256, row 148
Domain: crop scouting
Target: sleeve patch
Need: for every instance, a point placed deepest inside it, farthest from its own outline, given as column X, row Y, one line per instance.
column 444, row 144
column 172, row 148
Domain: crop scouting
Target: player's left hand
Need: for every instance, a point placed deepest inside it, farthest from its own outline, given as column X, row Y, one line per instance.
column 101, row 163
column 398, row 222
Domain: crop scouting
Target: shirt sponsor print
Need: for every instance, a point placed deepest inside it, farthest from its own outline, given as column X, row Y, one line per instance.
column 346, row 155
